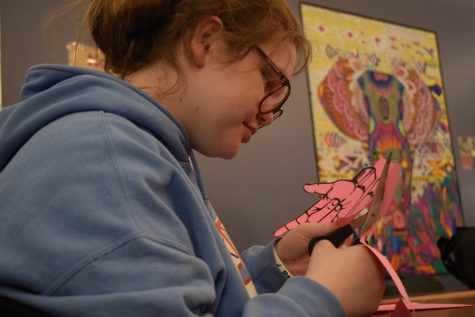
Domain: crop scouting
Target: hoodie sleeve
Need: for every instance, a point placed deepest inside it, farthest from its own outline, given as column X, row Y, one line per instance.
column 261, row 264
column 182, row 286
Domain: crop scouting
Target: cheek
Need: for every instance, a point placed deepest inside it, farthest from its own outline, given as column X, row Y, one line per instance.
column 245, row 93
column 236, row 109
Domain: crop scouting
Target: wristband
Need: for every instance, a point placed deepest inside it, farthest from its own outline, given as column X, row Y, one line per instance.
column 281, row 266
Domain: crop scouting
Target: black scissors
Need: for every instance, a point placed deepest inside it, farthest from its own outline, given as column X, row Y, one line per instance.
column 365, row 221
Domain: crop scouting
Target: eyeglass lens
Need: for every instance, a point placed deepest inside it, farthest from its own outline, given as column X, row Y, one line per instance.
column 274, row 101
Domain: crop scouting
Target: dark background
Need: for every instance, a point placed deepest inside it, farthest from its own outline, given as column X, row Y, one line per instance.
column 261, row 189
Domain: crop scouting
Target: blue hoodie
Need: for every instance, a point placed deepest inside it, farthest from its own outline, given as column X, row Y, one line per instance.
column 103, row 213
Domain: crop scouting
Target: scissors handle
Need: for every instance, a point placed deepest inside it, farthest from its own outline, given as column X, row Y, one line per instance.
column 336, row 237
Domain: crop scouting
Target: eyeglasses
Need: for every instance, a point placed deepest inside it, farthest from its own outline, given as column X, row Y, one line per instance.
column 277, row 88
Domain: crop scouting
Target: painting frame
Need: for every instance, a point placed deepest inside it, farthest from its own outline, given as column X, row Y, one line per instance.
column 1, row 98
column 365, row 75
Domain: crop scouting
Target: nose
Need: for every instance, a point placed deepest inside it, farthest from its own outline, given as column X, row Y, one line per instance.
column 264, row 119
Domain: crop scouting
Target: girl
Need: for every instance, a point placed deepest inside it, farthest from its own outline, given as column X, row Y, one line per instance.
column 103, row 208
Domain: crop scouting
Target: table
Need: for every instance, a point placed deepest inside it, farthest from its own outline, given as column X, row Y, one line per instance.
column 460, row 297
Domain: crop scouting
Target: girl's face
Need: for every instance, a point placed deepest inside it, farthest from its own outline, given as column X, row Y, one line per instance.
column 220, row 105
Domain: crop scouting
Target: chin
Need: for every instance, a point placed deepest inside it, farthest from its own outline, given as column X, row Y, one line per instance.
column 229, row 156
column 226, row 153
column 230, row 153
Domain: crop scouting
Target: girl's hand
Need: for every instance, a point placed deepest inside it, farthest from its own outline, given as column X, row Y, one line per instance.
column 352, row 274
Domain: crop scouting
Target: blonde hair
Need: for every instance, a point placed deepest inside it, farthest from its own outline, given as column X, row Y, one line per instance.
column 133, row 34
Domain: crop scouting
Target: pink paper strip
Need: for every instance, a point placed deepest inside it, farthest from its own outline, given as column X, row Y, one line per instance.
column 384, row 261
column 421, row 306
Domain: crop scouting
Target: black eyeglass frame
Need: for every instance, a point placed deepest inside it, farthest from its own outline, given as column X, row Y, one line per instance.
column 284, row 82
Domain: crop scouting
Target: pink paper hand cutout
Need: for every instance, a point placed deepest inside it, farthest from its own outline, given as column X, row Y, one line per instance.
column 343, row 200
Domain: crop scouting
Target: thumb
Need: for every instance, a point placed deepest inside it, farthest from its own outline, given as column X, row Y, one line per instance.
column 311, row 230
column 299, row 237
column 323, row 246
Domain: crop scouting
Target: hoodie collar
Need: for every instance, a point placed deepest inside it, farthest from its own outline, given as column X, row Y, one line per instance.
column 53, row 91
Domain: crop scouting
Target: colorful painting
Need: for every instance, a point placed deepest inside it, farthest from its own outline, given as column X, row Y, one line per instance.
column 376, row 88
column 467, row 152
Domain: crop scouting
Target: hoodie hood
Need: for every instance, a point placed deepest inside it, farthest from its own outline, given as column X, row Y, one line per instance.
column 53, row 91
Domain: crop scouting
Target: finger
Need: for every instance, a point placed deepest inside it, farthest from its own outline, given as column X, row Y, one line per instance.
column 377, row 263
column 317, row 188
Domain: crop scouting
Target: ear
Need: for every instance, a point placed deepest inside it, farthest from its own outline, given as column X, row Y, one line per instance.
column 204, row 38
